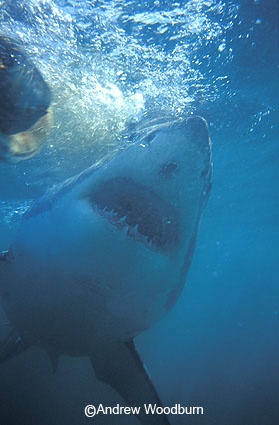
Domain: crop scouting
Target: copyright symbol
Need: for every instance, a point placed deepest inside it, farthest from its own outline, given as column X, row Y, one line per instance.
column 90, row 411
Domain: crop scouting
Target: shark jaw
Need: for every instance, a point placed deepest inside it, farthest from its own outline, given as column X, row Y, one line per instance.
column 139, row 212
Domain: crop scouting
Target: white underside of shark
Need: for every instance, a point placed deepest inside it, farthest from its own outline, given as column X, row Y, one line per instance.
column 103, row 256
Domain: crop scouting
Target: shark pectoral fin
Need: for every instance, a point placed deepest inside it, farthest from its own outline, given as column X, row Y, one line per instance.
column 11, row 343
column 121, row 367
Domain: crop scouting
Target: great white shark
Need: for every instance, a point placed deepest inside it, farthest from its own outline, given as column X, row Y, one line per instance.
column 103, row 256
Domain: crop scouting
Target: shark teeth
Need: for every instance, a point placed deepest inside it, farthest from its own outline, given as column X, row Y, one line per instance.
column 121, row 223
column 133, row 231
column 136, row 228
column 123, row 219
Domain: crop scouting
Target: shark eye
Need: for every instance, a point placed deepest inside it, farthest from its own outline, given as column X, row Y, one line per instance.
column 168, row 168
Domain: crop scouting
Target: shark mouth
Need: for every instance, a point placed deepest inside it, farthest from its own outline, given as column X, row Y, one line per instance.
column 145, row 216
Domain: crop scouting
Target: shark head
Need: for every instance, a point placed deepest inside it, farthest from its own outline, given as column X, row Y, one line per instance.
column 154, row 192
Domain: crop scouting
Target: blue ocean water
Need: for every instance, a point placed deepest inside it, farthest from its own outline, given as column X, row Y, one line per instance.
column 112, row 65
